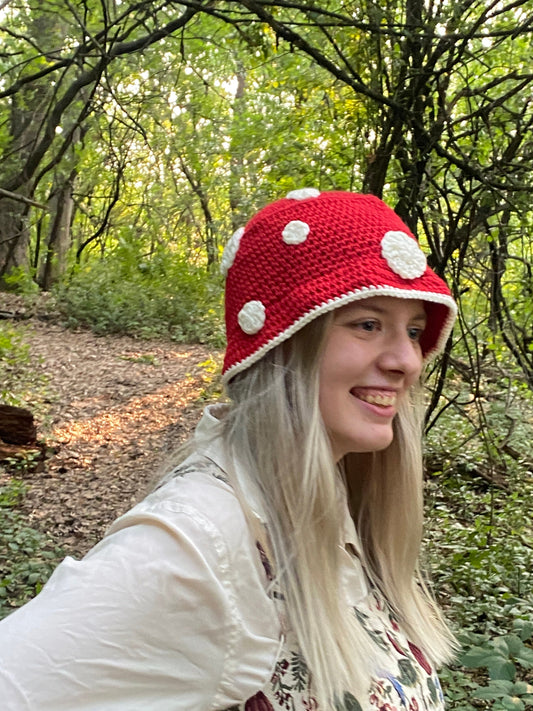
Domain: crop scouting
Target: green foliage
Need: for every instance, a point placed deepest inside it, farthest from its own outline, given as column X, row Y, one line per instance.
column 27, row 556
column 479, row 536
column 18, row 383
column 21, row 281
column 163, row 297
column 499, row 663
column 12, row 349
column 500, row 655
column 479, row 547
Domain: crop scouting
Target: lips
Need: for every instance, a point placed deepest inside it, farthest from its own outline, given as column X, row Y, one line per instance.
column 381, row 398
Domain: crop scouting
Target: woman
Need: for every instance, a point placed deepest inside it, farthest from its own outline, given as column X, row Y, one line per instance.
column 276, row 567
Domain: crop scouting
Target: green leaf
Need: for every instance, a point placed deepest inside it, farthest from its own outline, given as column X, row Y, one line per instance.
column 519, row 688
column 512, row 703
column 513, row 643
column 524, row 628
column 481, row 657
column 495, row 690
column 501, row 644
column 525, row 657
column 502, row 670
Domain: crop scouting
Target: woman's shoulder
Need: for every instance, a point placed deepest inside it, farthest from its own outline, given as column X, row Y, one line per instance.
column 171, row 583
column 195, row 499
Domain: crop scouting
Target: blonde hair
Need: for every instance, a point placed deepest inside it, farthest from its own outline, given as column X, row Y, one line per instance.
column 275, row 429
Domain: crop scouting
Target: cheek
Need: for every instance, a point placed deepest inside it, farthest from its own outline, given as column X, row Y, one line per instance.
column 338, row 356
column 419, row 367
column 328, row 385
column 332, row 371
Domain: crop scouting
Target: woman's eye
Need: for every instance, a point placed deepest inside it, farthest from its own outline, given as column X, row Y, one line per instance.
column 367, row 325
column 415, row 333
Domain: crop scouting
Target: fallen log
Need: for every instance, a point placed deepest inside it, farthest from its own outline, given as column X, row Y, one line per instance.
column 17, row 425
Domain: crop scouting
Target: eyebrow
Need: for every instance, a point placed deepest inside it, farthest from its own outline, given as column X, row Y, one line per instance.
column 420, row 316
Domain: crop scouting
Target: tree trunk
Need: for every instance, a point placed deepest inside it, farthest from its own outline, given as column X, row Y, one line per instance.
column 25, row 112
column 14, row 237
column 59, row 236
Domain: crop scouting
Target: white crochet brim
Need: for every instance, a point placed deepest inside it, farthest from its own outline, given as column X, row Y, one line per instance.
column 363, row 293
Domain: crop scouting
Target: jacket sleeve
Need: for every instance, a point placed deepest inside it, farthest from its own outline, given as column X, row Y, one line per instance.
column 162, row 614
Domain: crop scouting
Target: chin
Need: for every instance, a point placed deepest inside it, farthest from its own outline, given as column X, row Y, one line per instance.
column 377, row 444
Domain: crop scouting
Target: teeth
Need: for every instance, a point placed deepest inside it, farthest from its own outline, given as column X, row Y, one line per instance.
column 383, row 400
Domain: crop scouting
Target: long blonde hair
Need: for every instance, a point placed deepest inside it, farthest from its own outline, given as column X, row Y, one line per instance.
column 275, row 429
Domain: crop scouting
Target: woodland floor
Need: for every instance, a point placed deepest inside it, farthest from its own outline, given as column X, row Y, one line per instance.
column 116, row 409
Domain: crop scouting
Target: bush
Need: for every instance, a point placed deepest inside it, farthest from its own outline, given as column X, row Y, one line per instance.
column 21, row 280
column 18, row 383
column 164, row 297
column 495, row 672
column 478, row 545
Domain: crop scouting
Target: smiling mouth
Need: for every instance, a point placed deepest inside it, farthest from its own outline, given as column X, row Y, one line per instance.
column 382, row 399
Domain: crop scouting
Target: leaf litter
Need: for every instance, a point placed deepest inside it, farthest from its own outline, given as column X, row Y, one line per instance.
column 116, row 409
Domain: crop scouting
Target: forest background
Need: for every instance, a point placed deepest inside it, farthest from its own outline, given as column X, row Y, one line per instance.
column 136, row 137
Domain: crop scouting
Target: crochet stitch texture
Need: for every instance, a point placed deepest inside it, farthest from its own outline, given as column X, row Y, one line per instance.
column 310, row 253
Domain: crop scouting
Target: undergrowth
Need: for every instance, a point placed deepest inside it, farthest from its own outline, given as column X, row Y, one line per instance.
column 27, row 556
column 479, row 545
column 162, row 298
column 19, row 384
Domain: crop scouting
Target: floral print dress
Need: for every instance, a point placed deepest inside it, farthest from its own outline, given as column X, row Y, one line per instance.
column 409, row 684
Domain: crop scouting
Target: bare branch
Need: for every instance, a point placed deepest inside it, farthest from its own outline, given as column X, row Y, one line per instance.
column 90, row 76
column 297, row 40
column 22, row 198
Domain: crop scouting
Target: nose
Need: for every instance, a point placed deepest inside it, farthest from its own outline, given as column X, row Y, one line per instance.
column 402, row 355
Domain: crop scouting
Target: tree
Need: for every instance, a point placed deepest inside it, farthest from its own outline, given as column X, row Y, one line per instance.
column 71, row 74
column 189, row 115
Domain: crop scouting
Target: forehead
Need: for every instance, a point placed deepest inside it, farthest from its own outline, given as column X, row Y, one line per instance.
column 385, row 305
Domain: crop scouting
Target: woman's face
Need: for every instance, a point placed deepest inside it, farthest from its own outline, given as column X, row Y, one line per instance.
column 372, row 356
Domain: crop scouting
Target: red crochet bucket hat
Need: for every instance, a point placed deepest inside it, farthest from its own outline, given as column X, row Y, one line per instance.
column 312, row 252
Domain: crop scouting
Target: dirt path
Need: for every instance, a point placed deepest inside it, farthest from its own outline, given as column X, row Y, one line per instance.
column 118, row 407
